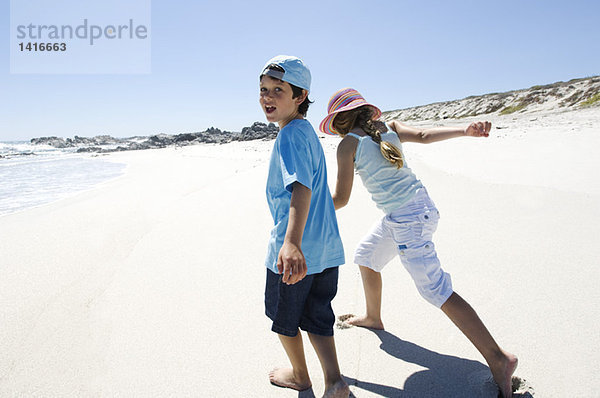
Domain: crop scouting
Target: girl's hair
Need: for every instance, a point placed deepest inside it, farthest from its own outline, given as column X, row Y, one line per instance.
column 361, row 117
column 296, row 92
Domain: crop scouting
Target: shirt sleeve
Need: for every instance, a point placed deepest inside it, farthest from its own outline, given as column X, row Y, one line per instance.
column 295, row 159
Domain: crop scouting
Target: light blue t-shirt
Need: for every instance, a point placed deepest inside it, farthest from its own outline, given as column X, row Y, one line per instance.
column 389, row 186
column 298, row 157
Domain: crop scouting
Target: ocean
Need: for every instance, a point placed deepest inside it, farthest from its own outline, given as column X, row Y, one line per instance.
column 33, row 175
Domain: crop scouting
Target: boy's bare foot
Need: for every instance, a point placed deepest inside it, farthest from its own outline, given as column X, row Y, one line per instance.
column 365, row 322
column 338, row 390
column 284, row 377
column 503, row 372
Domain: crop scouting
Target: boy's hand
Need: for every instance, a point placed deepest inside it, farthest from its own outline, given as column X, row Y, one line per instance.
column 291, row 263
column 479, row 129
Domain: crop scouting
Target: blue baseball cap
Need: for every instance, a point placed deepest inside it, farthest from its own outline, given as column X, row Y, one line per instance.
column 294, row 71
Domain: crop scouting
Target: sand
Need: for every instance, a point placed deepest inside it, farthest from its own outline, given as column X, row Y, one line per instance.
column 152, row 284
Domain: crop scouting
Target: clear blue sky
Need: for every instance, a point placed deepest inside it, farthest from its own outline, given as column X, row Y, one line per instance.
column 206, row 57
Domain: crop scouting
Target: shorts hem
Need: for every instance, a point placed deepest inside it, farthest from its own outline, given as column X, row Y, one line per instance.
column 445, row 298
column 365, row 263
column 320, row 332
column 283, row 331
column 279, row 329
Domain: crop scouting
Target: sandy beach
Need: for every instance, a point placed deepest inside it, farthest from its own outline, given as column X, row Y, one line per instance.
column 151, row 285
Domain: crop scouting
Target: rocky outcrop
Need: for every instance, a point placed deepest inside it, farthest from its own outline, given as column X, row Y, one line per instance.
column 55, row 142
column 59, row 142
column 106, row 143
column 258, row 131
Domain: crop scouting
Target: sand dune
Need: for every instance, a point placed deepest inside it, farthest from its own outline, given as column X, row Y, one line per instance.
column 575, row 94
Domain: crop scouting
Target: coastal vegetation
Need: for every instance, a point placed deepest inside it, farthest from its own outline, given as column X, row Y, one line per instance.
column 558, row 96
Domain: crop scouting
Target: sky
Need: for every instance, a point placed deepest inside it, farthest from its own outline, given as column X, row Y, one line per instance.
column 204, row 58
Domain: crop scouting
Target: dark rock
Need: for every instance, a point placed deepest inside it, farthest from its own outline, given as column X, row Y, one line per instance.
column 160, row 140
column 106, row 140
column 81, row 141
column 55, row 142
column 89, row 149
column 258, row 131
column 213, row 131
column 138, row 146
column 180, row 138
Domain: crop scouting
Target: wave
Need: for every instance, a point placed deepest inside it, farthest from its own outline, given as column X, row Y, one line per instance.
column 28, row 183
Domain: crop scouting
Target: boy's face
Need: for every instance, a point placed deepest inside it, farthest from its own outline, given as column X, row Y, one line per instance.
column 277, row 102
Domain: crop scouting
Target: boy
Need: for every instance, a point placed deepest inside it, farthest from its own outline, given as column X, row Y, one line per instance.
column 305, row 248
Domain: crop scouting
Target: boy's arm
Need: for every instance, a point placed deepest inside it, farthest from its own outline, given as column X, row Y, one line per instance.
column 291, row 261
column 435, row 134
column 345, row 174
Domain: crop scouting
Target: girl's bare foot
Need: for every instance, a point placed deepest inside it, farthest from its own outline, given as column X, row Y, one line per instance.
column 503, row 372
column 364, row 321
column 284, row 377
column 338, row 390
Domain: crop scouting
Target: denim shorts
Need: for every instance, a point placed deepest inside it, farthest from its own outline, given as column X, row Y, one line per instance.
column 407, row 232
column 305, row 304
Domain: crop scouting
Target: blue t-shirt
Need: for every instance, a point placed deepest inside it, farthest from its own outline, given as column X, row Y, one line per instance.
column 298, row 157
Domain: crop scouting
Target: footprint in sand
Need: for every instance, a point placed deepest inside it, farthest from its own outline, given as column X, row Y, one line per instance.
column 485, row 385
column 341, row 323
column 521, row 388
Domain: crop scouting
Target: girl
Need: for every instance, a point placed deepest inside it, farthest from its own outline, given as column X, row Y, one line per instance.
column 375, row 152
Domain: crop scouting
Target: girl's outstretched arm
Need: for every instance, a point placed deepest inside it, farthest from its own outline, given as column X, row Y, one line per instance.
column 435, row 134
column 345, row 176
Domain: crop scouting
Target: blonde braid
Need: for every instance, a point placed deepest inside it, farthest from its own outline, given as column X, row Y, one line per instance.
column 388, row 150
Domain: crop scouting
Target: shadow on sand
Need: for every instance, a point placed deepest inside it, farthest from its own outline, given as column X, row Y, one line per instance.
column 446, row 376
column 311, row 394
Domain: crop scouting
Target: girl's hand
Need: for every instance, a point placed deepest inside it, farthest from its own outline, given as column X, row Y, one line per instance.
column 291, row 263
column 479, row 129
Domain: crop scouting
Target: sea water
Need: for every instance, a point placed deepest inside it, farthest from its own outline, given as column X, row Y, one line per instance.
column 33, row 175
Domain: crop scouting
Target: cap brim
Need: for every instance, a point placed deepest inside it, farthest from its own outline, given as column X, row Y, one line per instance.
column 273, row 73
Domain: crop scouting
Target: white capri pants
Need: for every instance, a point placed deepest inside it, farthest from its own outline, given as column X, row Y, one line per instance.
column 407, row 232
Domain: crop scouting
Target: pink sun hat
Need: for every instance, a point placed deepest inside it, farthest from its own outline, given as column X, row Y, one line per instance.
column 344, row 100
